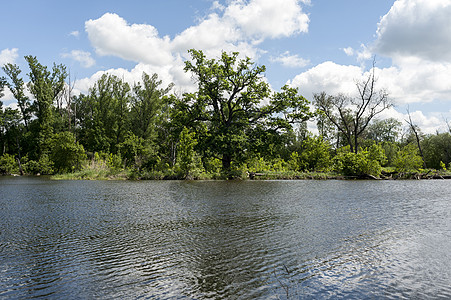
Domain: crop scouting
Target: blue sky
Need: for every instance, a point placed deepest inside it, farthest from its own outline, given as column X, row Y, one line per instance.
column 316, row 45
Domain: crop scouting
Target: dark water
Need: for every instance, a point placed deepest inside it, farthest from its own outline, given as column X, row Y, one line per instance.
column 225, row 240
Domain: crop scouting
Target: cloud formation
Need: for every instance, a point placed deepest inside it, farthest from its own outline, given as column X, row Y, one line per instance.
column 290, row 61
column 416, row 28
column 8, row 56
column 83, row 57
column 241, row 25
column 238, row 26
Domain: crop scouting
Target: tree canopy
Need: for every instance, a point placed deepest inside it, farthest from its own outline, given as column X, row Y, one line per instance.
column 233, row 125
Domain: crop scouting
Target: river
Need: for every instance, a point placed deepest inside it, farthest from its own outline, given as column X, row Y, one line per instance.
column 224, row 239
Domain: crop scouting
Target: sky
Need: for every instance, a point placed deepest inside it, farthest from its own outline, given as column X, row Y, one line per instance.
column 315, row 45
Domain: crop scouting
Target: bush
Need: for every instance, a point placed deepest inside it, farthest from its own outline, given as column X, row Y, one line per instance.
column 8, row 164
column 67, row 154
column 408, row 160
column 44, row 166
column 366, row 162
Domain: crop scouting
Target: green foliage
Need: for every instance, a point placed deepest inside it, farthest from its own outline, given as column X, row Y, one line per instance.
column 44, row 166
column 132, row 151
column 365, row 162
column 436, row 149
column 387, row 130
column 104, row 114
column 315, row 155
column 232, row 126
column 188, row 162
column 258, row 165
column 227, row 109
column 66, row 153
column 408, row 159
column 17, row 88
column 8, row 164
column 46, row 87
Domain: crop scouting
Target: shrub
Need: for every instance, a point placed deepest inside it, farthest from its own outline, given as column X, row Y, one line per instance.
column 8, row 164
column 408, row 159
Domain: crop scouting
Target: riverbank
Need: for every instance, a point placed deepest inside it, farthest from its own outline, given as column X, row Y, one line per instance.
column 127, row 175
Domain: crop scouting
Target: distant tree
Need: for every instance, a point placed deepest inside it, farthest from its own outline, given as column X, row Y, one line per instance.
column 66, row 154
column 408, row 159
column 415, row 130
column 387, row 130
column 146, row 105
column 2, row 86
column 366, row 162
column 351, row 116
column 104, row 114
column 46, row 87
column 17, row 88
column 437, row 150
column 314, row 155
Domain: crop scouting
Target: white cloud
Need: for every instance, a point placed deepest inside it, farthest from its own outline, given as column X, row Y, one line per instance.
column 329, row 77
column 416, row 28
column 268, row 18
column 349, row 51
column 364, row 53
column 415, row 34
column 237, row 26
column 75, row 33
column 84, row 58
column 290, row 61
column 212, row 35
column 241, row 25
column 8, row 56
column 111, row 35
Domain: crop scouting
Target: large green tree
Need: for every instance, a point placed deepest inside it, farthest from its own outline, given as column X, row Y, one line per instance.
column 104, row 114
column 17, row 88
column 146, row 105
column 46, row 86
column 232, row 101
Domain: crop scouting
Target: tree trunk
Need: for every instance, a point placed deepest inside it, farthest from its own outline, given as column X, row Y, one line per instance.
column 226, row 163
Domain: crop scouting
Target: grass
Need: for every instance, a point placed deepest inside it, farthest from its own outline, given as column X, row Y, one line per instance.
column 95, row 170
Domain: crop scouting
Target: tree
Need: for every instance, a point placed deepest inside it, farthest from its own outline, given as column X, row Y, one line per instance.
column 228, row 105
column 414, row 128
column 66, row 154
column 186, row 154
column 408, row 159
column 351, row 116
column 105, row 114
column 2, row 86
column 17, row 88
column 387, row 130
column 146, row 105
column 437, row 150
column 46, row 87
column 366, row 162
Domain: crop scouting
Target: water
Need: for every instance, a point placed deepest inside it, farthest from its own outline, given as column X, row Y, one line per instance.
column 224, row 240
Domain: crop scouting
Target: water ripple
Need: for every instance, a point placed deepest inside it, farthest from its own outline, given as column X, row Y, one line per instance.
column 224, row 240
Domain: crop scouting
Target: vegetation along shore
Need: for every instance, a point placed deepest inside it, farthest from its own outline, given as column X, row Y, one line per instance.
column 233, row 126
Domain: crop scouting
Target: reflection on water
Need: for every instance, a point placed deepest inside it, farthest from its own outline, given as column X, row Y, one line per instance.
column 224, row 240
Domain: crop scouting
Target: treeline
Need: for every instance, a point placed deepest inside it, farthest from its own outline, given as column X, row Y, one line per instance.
column 232, row 126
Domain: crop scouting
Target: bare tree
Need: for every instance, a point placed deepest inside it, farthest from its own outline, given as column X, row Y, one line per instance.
column 352, row 115
column 68, row 97
column 414, row 129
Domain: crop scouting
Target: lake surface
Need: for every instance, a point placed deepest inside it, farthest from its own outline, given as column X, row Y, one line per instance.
column 224, row 240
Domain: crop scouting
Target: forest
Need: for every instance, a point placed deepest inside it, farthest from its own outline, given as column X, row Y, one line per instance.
column 233, row 126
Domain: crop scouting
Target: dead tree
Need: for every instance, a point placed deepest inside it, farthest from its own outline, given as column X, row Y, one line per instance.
column 414, row 127
column 351, row 116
